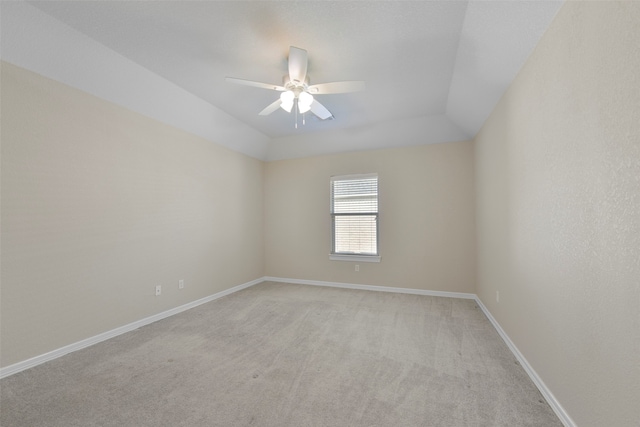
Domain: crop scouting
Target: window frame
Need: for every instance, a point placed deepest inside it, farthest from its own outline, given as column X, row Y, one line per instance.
column 346, row 256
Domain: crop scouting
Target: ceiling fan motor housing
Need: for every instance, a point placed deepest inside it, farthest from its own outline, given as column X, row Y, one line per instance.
column 294, row 85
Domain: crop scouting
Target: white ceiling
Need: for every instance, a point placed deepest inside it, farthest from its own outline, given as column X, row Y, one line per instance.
column 434, row 70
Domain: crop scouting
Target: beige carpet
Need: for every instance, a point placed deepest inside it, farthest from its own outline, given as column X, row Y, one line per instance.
column 289, row 355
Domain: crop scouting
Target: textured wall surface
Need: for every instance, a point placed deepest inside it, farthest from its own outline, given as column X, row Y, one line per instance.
column 426, row 225
column 100, row 205
column 558, row 211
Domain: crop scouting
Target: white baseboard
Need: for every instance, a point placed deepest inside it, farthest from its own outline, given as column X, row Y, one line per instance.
column 372, row 288
column 549, row 397
column 37, row 360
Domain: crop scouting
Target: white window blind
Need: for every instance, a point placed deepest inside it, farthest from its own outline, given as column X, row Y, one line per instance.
column 354, row 214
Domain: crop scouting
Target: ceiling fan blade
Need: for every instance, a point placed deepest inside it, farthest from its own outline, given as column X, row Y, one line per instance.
column 271, row 108
column 297, row 64
column 320, row 110
column 336, row 87
column 255, row 84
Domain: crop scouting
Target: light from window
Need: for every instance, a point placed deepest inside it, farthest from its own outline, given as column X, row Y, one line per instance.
column 354, row 214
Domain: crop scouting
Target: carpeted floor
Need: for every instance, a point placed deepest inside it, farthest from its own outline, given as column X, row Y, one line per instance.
column 289, row 355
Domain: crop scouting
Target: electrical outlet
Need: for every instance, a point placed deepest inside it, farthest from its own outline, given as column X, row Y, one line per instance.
column 158, row 290
column 497, row 296
column 357, row 267
column 181, row 284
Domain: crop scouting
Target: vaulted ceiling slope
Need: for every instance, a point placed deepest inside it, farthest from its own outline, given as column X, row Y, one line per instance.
column 434, row 70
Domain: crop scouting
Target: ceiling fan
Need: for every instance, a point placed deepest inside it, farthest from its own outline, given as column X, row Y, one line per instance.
column 296, row 90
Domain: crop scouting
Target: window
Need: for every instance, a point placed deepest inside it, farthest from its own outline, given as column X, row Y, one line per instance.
column 354, row 218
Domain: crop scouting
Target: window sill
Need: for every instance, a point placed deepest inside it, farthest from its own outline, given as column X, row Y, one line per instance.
column 356, row 258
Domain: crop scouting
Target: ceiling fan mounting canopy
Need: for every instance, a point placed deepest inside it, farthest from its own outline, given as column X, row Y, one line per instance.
column 296, row 89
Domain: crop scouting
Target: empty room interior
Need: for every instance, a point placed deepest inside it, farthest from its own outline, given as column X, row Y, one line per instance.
column 373, row 213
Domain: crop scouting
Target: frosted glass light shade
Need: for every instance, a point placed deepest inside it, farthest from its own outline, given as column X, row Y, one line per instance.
column 304, row 102
column 287, row 100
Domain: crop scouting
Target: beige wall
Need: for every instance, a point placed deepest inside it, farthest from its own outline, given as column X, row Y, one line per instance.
column 558, row 211
column 426, row 225
column 100, row 205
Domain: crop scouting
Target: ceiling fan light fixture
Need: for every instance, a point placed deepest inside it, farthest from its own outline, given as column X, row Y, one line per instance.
column 303, row 108
column 287, row 100
column 304, row 101
column 287, row 107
